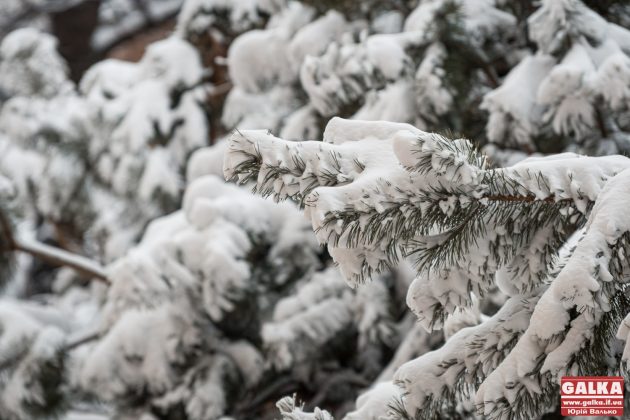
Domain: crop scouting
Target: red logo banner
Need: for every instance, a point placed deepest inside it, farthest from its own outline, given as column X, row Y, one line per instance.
column 591, row 396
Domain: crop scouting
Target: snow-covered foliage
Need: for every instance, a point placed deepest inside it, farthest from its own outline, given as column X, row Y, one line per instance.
column 571, row 87
column 92, row 154
column 149, row 117
column 31, row 65
column 461, row 65
column 376, row 192
column 31, row 360
column 118, row 19
column 227, row 16
column 478, row 274
column 401, row 84
column 113, row 20
column 195, row 312
column 263, row 94
column 36, row 340
column 465, row 66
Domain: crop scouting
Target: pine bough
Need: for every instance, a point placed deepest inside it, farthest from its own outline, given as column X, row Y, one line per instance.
column 550, row 232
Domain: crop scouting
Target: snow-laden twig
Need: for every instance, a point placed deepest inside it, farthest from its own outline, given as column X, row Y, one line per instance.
column 59, row 256
column 52, row 254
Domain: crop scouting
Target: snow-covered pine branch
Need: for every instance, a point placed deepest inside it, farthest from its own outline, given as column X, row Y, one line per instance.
column 375, row 192
column 402, row 190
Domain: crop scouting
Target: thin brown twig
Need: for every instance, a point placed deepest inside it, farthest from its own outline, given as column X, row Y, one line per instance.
column 279, row 387
column 343, row 377
column 51, row 254
column 84, row 339
column 520, row 198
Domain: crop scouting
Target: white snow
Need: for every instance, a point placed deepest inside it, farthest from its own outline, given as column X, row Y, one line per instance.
column 513, row 106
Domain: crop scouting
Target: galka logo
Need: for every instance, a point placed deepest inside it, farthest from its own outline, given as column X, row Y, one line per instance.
column 591, row 396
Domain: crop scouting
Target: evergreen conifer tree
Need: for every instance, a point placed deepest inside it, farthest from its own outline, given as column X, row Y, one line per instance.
column 139, row 285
